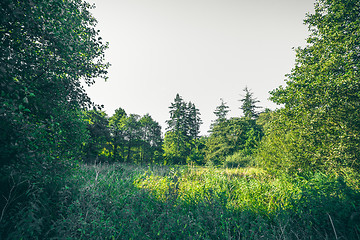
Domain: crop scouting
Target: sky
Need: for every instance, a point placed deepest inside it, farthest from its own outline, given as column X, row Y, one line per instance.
column 203, row 50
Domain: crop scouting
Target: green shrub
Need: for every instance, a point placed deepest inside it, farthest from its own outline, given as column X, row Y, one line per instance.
column 239, row 160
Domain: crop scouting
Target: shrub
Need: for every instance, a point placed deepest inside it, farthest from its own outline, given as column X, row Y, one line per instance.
column 239, row 160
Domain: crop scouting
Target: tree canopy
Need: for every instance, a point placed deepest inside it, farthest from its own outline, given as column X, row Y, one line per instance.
column 183, row 130
column 320, row 124
column 47, row 50
column 248, row 105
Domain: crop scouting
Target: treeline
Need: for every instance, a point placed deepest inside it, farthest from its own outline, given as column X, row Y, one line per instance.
column 135, row 139
column 182, row 143
column 121, row 138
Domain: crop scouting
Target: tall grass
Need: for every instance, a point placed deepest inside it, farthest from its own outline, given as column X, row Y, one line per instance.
column 162, row 202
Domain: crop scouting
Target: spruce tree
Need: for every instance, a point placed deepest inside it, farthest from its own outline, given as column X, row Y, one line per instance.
column 249, row 105
column 220, row 113
column 183, row 130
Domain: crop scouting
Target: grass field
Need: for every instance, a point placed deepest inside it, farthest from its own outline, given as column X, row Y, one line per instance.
column 166, row 202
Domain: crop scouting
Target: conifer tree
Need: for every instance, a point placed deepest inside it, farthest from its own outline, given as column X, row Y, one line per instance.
column 183, row 130
column 220, row 113
column 249, row 105
column 194, row 122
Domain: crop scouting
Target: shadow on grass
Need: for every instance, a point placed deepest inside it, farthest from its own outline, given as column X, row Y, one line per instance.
column 104, row 202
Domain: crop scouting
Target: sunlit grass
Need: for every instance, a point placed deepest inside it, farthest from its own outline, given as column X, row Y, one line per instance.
column 124, row 201
column 243, row 188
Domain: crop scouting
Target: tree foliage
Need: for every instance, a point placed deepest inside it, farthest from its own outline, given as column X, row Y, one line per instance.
column 151, row 140
column 99, row 135
column 220, row 112
column 117, row 131
column 248, row 105
column 134, row 138
column 231, row 136
column 47, row 48
column 319, row 127
column 238, row 136
column 183, row 131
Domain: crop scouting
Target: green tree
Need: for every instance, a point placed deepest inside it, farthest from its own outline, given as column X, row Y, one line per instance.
column 117, row 131
column 151, row 138
column 47, row 48
column 183, row 130
column 221, row 113
column 176, row 140
column 132, row 137
column 194, row 122
column 249, row 105
column 320, row 124
column 231, row 136
column 99, row 136
column 177, row 119
column 236, row 135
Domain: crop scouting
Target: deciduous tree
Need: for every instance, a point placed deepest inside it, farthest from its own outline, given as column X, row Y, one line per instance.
column 47, row 49
column 117, row 130
column 320, row 123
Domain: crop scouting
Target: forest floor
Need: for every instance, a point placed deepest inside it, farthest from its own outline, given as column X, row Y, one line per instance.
column 123, row 201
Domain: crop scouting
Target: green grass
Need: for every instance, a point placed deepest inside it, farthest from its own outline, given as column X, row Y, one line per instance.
column 163, row 202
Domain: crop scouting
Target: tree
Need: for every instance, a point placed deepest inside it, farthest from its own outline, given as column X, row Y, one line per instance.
column 132, row 135
column 234, row 135
column 320, row 122
column 231, row 136
column 194, row 122
column 249, row 105
column 97, row 125
column 151, row 139
column 176, row 139
column 220, row 113
column 117, row 130
column 138, row 138
column 47, row 48
column 177, row 116
column 183, row 130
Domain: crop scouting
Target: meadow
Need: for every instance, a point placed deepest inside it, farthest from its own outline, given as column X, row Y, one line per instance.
column 125, row 201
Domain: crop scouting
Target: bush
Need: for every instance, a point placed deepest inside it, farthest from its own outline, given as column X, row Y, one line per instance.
column 238, row 160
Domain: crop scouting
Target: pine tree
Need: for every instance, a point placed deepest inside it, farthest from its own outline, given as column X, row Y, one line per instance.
column 177, row 115
column 194, row 122
column 183, row 129
column 249, row 105
column 221, row 113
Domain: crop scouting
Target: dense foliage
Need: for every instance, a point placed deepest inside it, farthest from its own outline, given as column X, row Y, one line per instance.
column 182, row 136
column 46, row 50
column 122, row 138
column 235, row 138
column 319, row 127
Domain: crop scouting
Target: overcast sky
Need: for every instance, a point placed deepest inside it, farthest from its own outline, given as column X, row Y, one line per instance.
column 202, row 49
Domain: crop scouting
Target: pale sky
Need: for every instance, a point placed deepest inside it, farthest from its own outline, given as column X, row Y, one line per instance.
column 202, row 49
